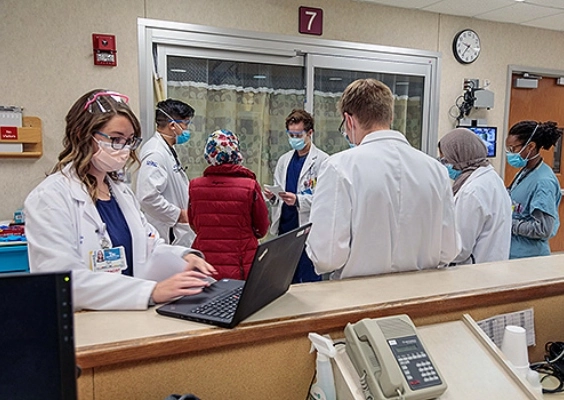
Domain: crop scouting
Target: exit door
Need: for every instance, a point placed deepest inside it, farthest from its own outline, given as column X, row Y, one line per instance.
column 545, row 103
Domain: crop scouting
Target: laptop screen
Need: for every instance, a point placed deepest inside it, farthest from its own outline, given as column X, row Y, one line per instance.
column 37, row 356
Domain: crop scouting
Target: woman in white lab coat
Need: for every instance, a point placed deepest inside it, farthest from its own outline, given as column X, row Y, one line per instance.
column 482, row 204
column 82, row 208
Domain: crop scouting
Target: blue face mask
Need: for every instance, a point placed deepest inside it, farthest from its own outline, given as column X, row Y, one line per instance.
column 183, row 137
column 351, row 144
column 296, row 143
column 515, row 160
column 453, row 173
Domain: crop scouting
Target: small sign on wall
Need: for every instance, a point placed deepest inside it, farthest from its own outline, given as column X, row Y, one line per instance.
column 311, row 21
column 8, row 133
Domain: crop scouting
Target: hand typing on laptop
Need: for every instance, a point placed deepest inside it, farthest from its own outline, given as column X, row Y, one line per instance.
column 183, row 284
column 194, row 278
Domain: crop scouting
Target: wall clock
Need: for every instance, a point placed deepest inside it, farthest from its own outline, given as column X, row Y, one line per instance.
column 466, row 46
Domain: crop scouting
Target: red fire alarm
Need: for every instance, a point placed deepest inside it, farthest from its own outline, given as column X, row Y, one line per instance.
column 104, row 47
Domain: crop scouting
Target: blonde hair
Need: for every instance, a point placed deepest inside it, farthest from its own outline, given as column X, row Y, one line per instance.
column 78, row 145
column 370, row 101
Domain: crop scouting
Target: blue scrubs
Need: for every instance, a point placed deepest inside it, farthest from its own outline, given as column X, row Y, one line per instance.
column 118, row 230
column 289, row 219
column 538, row 190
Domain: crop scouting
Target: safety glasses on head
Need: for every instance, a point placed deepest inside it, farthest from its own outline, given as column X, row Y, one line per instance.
column 120, row 143
column 94, row 105
column 186, row 121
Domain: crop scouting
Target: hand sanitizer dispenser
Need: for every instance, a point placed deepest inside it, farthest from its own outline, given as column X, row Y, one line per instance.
column 324, row 386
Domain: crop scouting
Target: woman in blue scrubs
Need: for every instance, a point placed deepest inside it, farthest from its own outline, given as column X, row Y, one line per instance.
column 535, row 190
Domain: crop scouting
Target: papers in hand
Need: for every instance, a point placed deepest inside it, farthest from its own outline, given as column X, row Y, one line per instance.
column 274, row 189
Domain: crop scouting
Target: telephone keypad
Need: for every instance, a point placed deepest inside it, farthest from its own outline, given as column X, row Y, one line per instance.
column 414, row 362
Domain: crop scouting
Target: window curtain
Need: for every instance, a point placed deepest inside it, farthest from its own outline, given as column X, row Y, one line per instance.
column 257, row 116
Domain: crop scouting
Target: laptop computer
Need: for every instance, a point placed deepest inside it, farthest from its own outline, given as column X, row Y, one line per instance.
column 227, row 302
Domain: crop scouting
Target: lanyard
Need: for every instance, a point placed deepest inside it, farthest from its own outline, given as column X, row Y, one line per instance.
column 521, row 176
column 104, row 242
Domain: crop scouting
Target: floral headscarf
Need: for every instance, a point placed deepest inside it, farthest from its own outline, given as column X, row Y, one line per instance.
column 222, row 147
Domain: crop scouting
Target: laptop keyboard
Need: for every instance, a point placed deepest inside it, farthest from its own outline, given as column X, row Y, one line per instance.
column 223, row 306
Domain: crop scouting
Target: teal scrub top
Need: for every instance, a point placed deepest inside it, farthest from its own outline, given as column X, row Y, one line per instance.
column 539, row 190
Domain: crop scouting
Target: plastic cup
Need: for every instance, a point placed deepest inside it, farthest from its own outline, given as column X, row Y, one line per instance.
column 514, row 346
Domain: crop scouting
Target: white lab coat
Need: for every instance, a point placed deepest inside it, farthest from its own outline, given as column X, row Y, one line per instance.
column 162, row 190
column 483, row 217
column 63, row 226
column 306, row 184
column 382, row 207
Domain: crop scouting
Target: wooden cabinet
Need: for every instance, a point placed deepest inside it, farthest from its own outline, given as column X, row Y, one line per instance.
column 30, row 136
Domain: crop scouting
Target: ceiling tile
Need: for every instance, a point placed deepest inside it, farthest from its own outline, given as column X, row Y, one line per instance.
column 415, row 4
column 546, row 14
column 468, row 8
column 517, row 13
column 555, row 22
column 559, row 4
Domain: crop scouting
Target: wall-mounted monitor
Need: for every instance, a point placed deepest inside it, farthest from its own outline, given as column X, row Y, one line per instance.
column 488, row 134
column 37, row 356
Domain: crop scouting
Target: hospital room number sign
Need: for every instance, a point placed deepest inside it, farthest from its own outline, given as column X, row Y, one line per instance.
column 311, row 21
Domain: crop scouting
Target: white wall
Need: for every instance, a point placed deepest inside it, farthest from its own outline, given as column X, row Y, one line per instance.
column 46, row 55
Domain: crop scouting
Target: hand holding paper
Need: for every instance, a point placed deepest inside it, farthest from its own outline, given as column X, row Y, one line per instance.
column 274, row 189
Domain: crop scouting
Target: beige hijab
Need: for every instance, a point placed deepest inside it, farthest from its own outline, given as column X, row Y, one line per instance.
column 465, row 151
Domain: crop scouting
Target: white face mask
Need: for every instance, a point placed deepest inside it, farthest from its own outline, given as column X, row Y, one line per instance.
column 107, row 159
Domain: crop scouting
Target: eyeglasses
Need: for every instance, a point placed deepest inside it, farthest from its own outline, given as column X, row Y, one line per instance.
column 442, row 160
column 295, row 134
column 94, row 99
column 511, row 149
column 342, row 128
column 119, row 143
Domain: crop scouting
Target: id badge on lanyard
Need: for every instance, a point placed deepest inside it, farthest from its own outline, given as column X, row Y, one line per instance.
column 107, row 259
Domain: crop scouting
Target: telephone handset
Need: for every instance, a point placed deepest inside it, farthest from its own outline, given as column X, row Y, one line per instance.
column 391, row 360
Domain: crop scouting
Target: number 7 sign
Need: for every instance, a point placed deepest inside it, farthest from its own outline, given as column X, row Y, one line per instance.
column 311, row 21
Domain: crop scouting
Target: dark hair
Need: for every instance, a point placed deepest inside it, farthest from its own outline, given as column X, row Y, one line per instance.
column 546, row 135
column 174, row 108
column 297, row 116
column 81, row 124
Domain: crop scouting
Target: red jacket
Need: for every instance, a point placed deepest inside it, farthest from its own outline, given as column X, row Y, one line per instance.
column 228, row 213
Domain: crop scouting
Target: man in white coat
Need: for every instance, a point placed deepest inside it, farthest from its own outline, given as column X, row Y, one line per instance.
column 296, row 173
column 162, row 184
column 381, row 206
column 482, row 203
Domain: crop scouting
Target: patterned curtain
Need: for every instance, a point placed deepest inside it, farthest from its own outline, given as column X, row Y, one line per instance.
column 257, row 117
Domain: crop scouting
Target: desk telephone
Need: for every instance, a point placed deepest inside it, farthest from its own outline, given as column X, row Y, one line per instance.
column 391, row 360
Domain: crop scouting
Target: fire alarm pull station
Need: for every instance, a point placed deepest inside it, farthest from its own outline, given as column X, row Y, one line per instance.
column 105, row 52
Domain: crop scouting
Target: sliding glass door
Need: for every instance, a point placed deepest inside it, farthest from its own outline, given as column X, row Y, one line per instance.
column 250, row 98
column 248, row 84
column 331, row 75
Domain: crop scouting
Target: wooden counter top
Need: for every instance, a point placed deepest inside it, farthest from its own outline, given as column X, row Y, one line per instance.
column 104, row 338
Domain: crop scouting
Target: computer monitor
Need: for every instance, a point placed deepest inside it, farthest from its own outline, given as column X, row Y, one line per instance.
column 37, row 356
column 488, row 134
